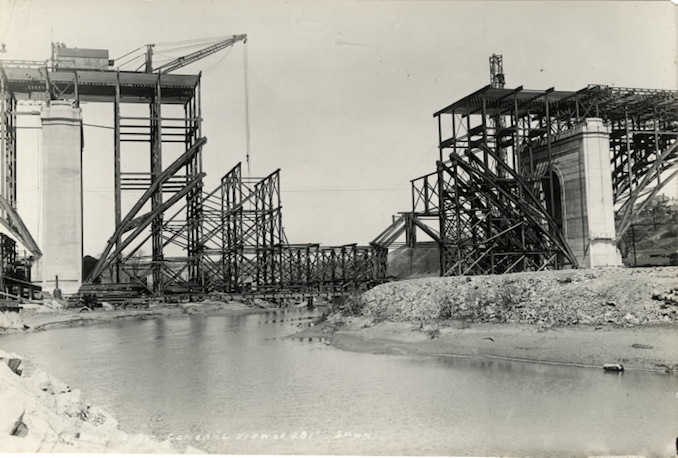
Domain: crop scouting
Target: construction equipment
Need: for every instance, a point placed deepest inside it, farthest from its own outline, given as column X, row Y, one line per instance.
column 170, row 237
column 190, row 58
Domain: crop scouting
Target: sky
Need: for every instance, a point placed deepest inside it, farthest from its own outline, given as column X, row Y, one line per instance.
column 341, row 93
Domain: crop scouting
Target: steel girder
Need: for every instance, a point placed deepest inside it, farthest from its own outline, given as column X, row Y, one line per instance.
column 493, row 225
column 163, row 189
column 9, row 216
column 643, row 126
column 643, row 133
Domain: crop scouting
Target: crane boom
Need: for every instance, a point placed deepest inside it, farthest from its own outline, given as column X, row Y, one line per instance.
column 193, row 57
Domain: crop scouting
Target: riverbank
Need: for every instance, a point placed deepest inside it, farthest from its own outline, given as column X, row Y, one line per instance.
column 42, row 317
column 652, row 348
column 41, row 414
column 583, row 317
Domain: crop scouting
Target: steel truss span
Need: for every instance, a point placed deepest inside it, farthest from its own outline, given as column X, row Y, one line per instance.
column 492, row 194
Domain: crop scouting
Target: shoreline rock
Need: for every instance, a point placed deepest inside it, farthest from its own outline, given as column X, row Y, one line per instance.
column 41, row 414
column 11, row 321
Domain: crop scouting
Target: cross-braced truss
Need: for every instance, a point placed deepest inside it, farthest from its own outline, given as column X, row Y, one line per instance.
column 171, row 236
column 170, row 126
column 244, row 248
column 493, row 222
column 494, row 197
column 9, row 217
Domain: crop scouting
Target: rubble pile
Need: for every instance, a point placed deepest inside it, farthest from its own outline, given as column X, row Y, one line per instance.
column 10, row 320
column 40, row 413
column 610, row 296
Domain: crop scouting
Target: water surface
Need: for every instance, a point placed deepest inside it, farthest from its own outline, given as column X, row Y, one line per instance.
column 235, row 384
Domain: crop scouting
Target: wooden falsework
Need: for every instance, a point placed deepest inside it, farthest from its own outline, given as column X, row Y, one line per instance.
column 244, row 248
column 495, row 203
column 161, row 187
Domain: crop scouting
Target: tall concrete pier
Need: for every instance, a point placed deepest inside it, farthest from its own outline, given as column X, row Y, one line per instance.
column 60, row 231
column 581, row 163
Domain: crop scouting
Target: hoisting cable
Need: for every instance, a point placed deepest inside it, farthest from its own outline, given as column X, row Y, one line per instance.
column 125, row 55
column 247, row 110
column 9, row 21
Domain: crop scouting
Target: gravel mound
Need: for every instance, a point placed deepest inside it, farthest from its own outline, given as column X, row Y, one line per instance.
column 609, row 296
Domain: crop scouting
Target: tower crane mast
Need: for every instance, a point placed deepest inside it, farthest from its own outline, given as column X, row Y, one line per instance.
column 497, row 77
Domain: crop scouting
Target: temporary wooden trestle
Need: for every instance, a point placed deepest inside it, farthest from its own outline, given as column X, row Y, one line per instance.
column 491, row 204
column 244, row 249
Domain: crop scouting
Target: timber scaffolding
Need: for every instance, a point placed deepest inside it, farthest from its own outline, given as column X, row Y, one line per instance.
column 492, row 205
column 229, row 240
column 243, row 250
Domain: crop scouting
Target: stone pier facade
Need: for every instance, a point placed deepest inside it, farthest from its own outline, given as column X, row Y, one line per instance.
column 583, row 189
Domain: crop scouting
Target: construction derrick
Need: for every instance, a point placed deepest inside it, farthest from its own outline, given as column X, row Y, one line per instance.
column 496, row 203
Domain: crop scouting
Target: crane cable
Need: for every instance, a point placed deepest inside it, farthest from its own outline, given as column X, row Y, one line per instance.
column 9, row 21
column 193, row 40
column 247, row 110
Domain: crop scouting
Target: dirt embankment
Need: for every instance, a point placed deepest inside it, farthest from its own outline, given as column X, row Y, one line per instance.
column 614, row 296
column 583, row 317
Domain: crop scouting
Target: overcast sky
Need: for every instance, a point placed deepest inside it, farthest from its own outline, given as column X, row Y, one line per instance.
column 341, row 92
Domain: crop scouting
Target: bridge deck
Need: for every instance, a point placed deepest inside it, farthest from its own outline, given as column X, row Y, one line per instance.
column 98, row 85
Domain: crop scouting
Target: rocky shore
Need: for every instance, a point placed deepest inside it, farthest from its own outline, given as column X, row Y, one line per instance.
column 583, row 317
column 41, row 414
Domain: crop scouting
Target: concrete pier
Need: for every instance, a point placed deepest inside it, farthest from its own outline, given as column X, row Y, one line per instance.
column 60, row 231
column 581, row 160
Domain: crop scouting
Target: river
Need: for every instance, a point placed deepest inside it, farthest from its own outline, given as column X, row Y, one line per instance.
column 234, row 384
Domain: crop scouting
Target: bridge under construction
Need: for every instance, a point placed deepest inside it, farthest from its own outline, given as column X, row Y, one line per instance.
column 531, row 180
column 230, row 239
column 526, row 180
